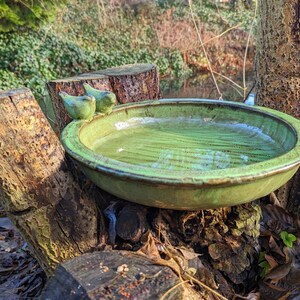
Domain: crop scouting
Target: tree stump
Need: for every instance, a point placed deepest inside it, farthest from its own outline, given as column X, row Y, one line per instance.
column 278, row 69
column 133, row 83
column 130, row 83
column 115, row 275
column 73, row 86
column 38, row 192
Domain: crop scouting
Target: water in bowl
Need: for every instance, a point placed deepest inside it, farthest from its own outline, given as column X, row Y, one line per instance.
column 187, row 144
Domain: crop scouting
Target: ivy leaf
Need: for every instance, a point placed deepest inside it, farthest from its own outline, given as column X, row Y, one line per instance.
column 261, row 256
column 288, row 238
column 265, row 268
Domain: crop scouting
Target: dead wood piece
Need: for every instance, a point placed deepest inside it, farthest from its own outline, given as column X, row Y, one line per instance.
column 38, row 192
column 114, row 275
column 131, row 222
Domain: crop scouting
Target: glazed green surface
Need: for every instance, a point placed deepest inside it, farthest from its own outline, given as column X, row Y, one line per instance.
column 186, row 144
column 187, row 153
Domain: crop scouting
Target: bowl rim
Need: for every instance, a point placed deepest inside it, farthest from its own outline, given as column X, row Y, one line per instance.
column 228, row 176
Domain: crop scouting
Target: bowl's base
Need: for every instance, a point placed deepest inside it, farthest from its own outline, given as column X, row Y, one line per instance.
column 189, row 198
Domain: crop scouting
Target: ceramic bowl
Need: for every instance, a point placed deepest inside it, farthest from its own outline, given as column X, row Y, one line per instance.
column 186, row 154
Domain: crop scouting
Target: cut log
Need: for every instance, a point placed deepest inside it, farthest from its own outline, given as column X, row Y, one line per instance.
column 37, row 191
column 131, row 222
column 130, row 83
column 133, row 83
column 115, row 275
column 73, row 86
column 278, row 69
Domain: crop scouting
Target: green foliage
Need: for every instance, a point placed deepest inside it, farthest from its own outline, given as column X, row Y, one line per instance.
column 208, row 12
column 9, row 80
column 288, row 238
column 86, row 40
column 32, row 58
column 26, row 13
column 263, row 264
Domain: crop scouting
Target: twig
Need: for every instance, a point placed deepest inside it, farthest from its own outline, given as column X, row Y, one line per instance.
column 246, row 51
column 221, row 34
column 234, row 87
column 205, row 286
column 204, row 50
column 250, row 91
column 274, row 199
column 185, row 274
column 172, row 288
column 213, row 38
column 100, row 7
column 225, row 77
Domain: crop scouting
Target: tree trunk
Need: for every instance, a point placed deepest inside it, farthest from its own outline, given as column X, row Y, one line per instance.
column 278, row 70
column 40, row 195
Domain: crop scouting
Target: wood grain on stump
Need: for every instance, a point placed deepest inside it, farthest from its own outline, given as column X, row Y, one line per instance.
column 36, row 189
column 99, row 275
column 133, row 83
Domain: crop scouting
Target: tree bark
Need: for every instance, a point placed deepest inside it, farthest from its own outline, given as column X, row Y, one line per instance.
column 133, row 83
column 38, row 192
column 130, row 83
column 278, row 70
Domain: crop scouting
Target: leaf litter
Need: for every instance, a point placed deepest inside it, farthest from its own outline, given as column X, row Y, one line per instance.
column 214, row 258
column 21, row 277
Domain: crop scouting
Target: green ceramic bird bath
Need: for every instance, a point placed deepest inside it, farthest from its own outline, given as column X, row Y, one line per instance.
column 186, row 154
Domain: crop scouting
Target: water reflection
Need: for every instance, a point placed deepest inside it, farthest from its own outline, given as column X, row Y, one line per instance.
column 202, row 86
column 195, row 160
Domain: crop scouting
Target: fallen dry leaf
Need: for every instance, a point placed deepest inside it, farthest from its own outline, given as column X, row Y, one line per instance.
column 187, row 253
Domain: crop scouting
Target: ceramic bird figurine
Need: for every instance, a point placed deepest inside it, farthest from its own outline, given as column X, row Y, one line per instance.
column 79, row 107
column 105, row 100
